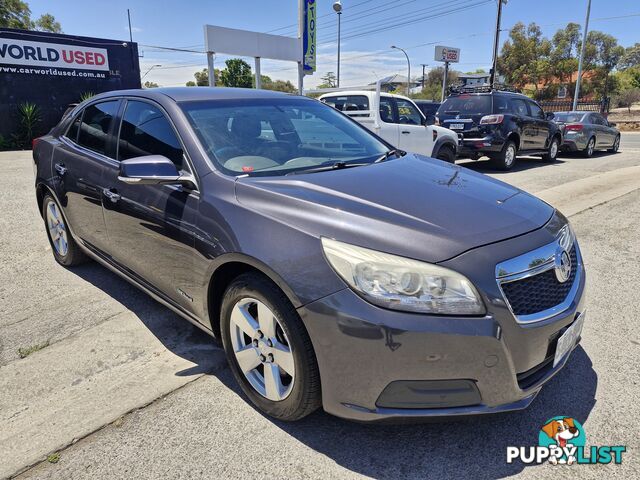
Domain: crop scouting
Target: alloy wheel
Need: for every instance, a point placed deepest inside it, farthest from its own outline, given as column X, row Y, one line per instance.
column 262, row 349
column 590, row 147
column 509, row 155
column 616, row 144
column 57, row 229
column 553, row 150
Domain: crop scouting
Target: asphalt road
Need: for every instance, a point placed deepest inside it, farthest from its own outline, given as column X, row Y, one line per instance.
column 200, row 425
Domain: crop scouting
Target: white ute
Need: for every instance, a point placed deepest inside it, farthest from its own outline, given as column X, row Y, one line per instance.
column 395, row 119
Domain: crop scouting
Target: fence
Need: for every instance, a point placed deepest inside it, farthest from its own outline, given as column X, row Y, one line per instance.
column 601, row 106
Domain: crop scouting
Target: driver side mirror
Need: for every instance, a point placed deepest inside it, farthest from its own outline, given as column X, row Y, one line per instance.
column 153, row 170
column 549, row 116
column 612, row 124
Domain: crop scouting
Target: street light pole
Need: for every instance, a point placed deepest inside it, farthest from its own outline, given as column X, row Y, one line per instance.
column 145, row 73
column 423, row 67
column 576, row 94
column 337, row 7
column 496, row 43
column 408, row 67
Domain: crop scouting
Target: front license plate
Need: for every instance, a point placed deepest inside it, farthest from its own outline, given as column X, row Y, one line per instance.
column 456, row 126
column 568, row 339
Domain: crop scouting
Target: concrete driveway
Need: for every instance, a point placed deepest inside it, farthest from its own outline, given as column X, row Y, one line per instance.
column 117, row 386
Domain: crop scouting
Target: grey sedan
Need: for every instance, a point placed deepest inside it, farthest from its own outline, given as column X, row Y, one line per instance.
column 337, row 270
column 586, row 132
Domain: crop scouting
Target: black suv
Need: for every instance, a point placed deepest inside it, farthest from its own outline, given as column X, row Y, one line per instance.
column 500, row 124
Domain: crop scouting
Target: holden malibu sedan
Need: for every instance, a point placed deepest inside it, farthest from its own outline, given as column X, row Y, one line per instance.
column 337, row 270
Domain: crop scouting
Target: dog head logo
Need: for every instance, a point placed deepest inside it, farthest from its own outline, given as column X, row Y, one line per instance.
column 562, row 435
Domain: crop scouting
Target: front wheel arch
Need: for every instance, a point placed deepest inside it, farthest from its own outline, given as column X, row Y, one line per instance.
column 225, row 269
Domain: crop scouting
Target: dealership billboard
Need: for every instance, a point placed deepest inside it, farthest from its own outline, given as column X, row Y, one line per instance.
column 54, row 70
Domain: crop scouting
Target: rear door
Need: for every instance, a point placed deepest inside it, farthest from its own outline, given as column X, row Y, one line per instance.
column 541, row 123
column 528, row 130
column 389, row 128
column 605, row 136
column 80, row 160
column 414, row 136
column 152, row 227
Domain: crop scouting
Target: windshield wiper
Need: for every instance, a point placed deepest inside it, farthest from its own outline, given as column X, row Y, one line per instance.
column 386, row 156
column 332, row 166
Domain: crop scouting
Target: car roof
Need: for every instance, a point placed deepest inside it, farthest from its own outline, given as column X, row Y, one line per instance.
column 189, row 94
column 575, row 112
column 421, row 101
column 360, row 92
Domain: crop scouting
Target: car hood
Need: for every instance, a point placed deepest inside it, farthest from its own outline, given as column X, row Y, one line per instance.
column 413, row 206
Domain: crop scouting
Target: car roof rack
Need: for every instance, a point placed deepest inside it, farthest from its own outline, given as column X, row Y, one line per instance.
column 459, row 89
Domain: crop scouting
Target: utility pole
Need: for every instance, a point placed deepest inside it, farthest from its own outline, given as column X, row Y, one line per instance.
column 337, row 7
column 130, row 32
column 576, row 94
column 423, row 66
column 444, row 81
column 496, row 43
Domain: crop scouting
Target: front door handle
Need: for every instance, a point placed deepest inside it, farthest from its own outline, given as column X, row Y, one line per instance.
column 60, row 168
column 111, row 195
column 405, row 132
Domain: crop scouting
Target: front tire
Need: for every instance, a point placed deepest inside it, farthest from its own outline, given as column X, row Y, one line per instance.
column 65, row 249
column 268, row 349
column 446, row 154
column 616, row 145
column 506, row 159
column 552, row 153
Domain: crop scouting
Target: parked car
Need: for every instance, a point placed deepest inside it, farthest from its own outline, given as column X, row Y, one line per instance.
column 500, row 125
column 586, row 132
column 397, row 120
column 337, row 270
column 428, row 109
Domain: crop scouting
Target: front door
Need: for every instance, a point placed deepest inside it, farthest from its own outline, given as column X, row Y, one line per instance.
column 389, row 130
column 79, row 162
column 414, row 136
column 151, row 228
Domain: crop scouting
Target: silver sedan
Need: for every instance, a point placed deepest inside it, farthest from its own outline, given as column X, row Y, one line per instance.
column 586, row 132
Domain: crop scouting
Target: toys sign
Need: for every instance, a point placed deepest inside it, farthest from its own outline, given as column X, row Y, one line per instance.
column 447, row 54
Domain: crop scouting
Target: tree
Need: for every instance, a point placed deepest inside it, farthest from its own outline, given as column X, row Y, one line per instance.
column 631, row 57
column 328, row 81
column 202, row 78
column 602, row 54
column 524, row 57
column 237, row 74
column 47, row 23
column 628, row 97
column 635, row 79
column 564, row 52
column 277, row 85
column 433, row 83
column 17, row 14
column 149, row 84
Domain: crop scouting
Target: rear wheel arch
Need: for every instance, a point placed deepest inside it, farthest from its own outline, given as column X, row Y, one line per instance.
column 515, row 138
column 226, row 269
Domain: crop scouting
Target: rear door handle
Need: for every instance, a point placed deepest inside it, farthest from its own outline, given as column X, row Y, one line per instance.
column 60, row 168
column 405, row 132
column 111, row 195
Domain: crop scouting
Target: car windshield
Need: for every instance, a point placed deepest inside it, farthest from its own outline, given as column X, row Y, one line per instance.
column 279, row 136
column 466, row 105
column 567, row 117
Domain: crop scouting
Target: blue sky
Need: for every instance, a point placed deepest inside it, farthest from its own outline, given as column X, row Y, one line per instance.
column 373, row 26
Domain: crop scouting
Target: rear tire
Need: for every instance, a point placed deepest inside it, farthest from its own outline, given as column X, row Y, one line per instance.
column 552, row 153
column 590, row 148
column 616, row 145
column 274, row 326
column 65, row 249
column 506, row 159
column 446, row 154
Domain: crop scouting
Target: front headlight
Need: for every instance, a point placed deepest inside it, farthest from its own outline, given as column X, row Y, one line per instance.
column 401, row 283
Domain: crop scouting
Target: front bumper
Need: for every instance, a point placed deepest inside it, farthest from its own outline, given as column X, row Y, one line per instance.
column 361, row 349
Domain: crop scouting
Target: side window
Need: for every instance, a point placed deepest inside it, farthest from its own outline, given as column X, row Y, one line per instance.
column 598, row 119
column 407, row 113
column 74, row 128
column 519, row 107
column 536, row 111
column 500, row 105
column 386, row 110
column 94, row 128
column 349, row 103
column 146, row 131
